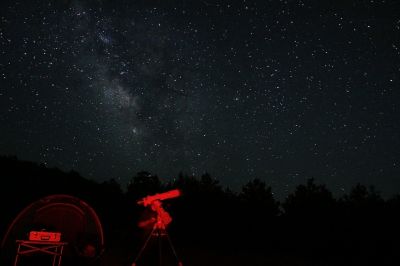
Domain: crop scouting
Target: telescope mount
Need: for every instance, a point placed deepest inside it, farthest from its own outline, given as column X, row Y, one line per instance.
column 158, row 232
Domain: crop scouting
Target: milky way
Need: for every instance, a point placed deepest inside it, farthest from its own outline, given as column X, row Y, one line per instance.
column 280, row 90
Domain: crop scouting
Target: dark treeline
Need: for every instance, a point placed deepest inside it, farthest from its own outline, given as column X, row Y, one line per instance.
column 309, row 227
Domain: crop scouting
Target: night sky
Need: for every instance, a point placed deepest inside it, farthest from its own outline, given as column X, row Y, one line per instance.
column 277, row 90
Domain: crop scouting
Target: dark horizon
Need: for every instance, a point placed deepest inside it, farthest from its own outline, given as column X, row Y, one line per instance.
column 278, row 197
column 209, row 226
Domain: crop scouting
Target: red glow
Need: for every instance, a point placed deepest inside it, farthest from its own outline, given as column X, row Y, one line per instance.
column 160, row 196
column 159, row 222
column 163, row 219
column 44, row 236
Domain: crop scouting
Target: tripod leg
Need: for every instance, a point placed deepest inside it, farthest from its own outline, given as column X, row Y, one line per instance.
column 144, row 246
column 173, row 249
column 159, row 248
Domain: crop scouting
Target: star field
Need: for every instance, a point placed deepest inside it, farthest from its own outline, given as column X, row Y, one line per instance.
column 277, row 90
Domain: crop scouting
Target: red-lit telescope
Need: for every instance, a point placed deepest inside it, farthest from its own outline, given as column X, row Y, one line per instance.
column 160, row 222
column 162, row 219
column 159, row 196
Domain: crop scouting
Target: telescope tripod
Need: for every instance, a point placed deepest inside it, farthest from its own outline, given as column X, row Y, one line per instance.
column 159, row 231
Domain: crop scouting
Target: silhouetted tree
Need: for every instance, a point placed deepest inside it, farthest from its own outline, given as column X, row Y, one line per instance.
column 309, row 200
column 210, row 185
column 363, row 224
column 255, row 193
column 363, row 199
column 257, row 213
column 309, row 219
column 143, row 184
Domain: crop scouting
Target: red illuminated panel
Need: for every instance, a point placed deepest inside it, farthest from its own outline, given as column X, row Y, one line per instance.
column 44, row 236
